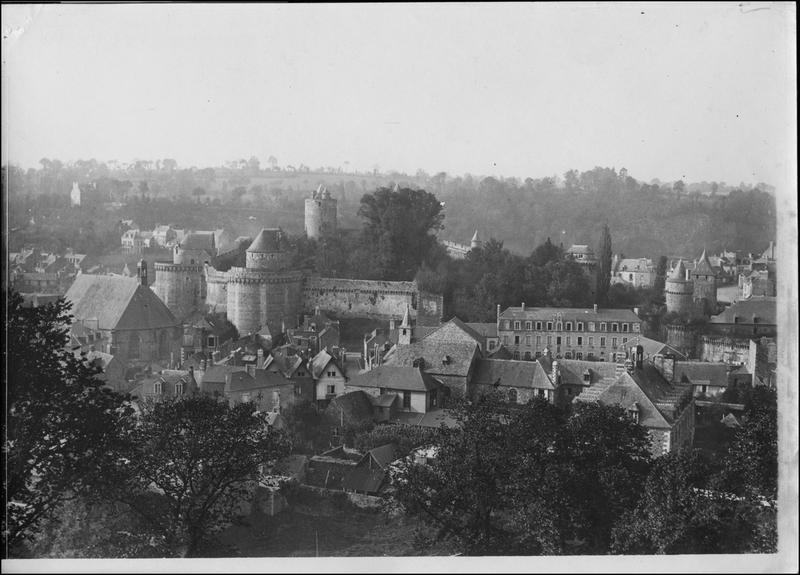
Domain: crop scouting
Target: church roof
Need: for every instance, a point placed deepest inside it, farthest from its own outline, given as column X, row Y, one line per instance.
column 118, row 303
column 267, row 241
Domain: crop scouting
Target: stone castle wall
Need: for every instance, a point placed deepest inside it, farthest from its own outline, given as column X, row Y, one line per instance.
column 256, row 298
column 363, row 298
column 216, row 290
column 723, row 349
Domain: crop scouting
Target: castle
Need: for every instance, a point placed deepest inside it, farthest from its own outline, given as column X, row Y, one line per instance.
column 692, row 293
column 269, row 293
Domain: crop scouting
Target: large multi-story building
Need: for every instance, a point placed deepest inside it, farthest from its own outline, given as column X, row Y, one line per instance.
column 570, row 333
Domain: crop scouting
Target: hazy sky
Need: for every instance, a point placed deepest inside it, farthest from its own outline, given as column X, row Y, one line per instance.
column 693, row 91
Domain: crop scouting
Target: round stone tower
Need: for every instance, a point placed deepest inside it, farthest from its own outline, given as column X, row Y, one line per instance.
column 678, row 290
column 266, row 292
column 705, row 286
column 181, row 285
column 320, row 214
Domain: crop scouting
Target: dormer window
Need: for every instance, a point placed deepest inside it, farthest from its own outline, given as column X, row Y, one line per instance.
column 633, row 413
column 157, row 388
column 587, row 376
column 179, row 388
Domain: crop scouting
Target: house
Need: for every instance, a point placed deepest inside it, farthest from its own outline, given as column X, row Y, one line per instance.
column 328, row 374
column 113, row 374
column 318, row 332
column 570, row 333
column 665, row 409
column 636, row 272
column 270, row 391
column 169, row 383
column 571, row 377
column 398, row 388
column 135, row 324
column 707, row 379
column 213, row 378
column 136, row 241
column 487, row 333
column 518, row 381
column 756, row 316
column 371, row 474
column 164, row 236
column 329, row 469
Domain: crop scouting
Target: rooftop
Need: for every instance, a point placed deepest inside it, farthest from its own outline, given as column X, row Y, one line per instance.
column 395, row 377
column 569, row 313
column 764, row 308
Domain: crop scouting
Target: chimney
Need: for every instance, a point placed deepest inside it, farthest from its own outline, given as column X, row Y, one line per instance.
column 523, row 306
column 555, row 373
column 639, row 356
column 498, row 316
column 392, row 324
column 251, row 370
column 636, row 310
column 260, row 360
column 669, row 367
column 595, row 308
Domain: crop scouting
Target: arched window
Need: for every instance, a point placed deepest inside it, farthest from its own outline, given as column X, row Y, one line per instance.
column 157, row 389
column 179, row 388
column 512, row 395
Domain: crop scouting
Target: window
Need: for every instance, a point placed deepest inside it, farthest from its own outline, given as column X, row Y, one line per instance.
column 301, row 373
column 559, row 326
column 406, row 400
column 528, row 325
column 179, row 388
column 580, row 340
column 516, row 355
column 591, row 341
column 602, row 326
column 624, row 340
column 568, row 326
column 516, row 340
column 505, row 340
column 578, row 355
column 569, row 391
column 527, row 356
column 507, row 324
column 517, row 325
column 211, row 342
column 549, row 326
column 558, row 340
column 580, row 326
column 157, row 389
column 538, row 341
column 591, row 326
column 614, row 326
column 527, row 340
column 625, row 327
column 613, row 342
column 634, row 415
column 569, row 340
column 332, row 373
column 549, row 340
column 331, row 389
column 491, row 344
column 636, row 327
column 512, row 395
column 567, row 355
column 602, row 342
column 541, row 393
column 539, row 325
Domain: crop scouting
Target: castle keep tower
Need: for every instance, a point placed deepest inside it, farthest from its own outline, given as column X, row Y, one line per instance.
column 320, row 214
column 705, row 286
column 679, row 290
column 266, row 291
column 181, row 285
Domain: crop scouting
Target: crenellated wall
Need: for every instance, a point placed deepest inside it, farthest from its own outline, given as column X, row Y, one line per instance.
column 259, row 297
column 362, row 298
column 724, row 349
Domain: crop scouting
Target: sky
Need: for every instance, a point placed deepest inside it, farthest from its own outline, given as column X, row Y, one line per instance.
column 700, row 91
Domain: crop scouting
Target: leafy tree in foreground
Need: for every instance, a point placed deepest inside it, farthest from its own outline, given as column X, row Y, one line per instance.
column 528, row 480
column 62, row 425
column 200, row 454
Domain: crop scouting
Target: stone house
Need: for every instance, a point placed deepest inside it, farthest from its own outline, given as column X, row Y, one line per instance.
column 270, row 391
column 170, row 383
column 394, row 389
column 329, row 376
column 753, row 317
column 518, row 381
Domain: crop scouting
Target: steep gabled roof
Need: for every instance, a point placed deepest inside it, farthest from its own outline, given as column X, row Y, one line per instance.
column 703, row 265
column 393, row 377
column 511, row 373
column 118, row 303
column 454, row 330
column 440, row 357
column 679, row 273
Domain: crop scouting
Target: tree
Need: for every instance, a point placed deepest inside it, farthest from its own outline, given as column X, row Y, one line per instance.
column 604, row 268
column 63, row 425
column 200, row 454
column 397, row 230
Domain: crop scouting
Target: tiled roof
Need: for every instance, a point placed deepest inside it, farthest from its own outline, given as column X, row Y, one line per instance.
column 395, row 377
column 269, row 240
column 319, row 363
column 572, row 371
column 764, row 308
column 510, row 373
column 243, row 381
column 118, row 303
column 700, row 371
column 217, row 373
column 440, row 357
column 569, row 314
column 501, row 352
column 635, row 265
column 580, row 249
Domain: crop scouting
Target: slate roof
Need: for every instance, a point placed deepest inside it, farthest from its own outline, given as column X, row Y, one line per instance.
column 511, row 373
column 217, row 373
column 652, row 347
column 385, row 400
column 353, row 407
column 572, row 371
column 701, row 373
column 764, row 308
column 369, row 474
column 199, row 241
column 634, row 265
column 320, row 362
column 454, row 330
column 169, row 378
column 395, row 377
column 703, row 266
column 570, row 314
column 501, row 352
column 267, row 241
column 118, row 303
column 679, row 272
column 580, row 249
column 441, row 357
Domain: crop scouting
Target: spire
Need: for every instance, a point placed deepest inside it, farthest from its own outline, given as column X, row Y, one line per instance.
column 476, row 241
column 679, row 273
column 703, row 265
column 406, row 318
